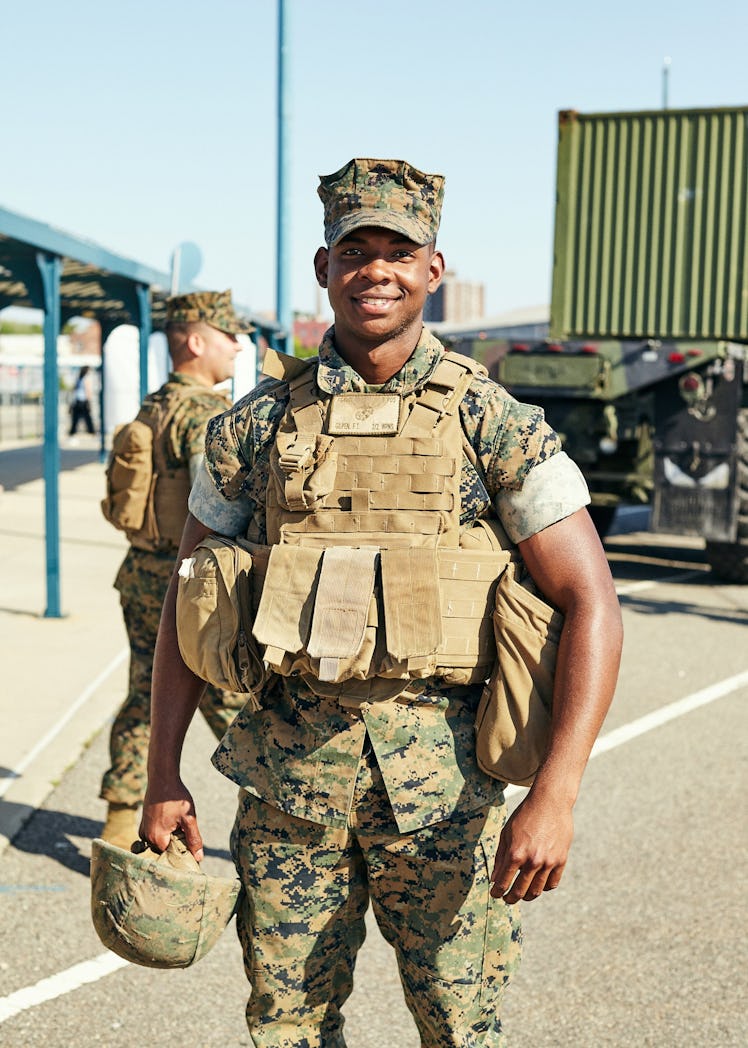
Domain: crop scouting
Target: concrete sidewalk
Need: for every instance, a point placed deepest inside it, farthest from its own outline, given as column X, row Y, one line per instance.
column 61, row 678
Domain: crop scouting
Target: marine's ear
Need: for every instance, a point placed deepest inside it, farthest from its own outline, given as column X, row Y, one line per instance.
column 437, row 266
column 321, row 261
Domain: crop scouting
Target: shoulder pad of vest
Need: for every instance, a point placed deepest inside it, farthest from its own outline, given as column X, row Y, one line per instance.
column 473, row 366
column 283, row 366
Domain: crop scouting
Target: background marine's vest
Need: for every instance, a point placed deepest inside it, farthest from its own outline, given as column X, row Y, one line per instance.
column 148, row 486
column 370, row 577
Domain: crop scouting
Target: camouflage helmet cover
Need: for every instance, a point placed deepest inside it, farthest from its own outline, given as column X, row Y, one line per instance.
column 211, row 307
column 387, row 193
column 158, row 909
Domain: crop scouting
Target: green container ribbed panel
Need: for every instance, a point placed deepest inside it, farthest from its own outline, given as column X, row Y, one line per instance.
column 651, row 234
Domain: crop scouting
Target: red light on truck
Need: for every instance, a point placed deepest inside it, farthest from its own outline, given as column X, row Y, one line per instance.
column 694, row 353
column 589, row 347
column 520, row 347
column 554, row 347
column 676, row 358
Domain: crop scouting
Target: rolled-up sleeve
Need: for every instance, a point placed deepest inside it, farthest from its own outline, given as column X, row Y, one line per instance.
column 213, row 510
column 553, row 490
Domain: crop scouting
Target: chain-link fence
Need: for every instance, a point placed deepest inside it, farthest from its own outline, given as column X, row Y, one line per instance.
column 22, row 402
column 22, row 417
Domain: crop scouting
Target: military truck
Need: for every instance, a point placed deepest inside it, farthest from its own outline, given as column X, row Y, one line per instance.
column 645, row 370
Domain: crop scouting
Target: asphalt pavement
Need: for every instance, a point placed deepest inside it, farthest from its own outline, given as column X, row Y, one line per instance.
column 643, row 944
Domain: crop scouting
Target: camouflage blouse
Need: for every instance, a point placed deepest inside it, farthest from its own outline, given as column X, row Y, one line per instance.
column 300, row 752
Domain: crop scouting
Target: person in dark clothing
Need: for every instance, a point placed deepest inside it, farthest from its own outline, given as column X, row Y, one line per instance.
column 80, row 407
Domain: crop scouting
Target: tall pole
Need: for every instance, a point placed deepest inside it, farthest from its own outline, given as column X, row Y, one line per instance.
column 50, row 268
column 282, row 280
column 665, row 77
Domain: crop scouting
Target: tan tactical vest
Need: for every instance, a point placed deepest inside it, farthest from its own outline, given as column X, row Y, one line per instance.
column 147, row 489
column 370, row 577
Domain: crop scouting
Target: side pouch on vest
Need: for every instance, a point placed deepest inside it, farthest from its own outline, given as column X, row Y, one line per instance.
column 303, row 466
column 214, row 601
column 513, row 721
column 129, row 478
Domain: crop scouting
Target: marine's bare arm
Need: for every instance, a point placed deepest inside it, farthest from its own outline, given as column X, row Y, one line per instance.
column 175, row 695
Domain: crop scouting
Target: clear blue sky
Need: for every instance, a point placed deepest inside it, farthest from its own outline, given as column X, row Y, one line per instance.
column 146, row 123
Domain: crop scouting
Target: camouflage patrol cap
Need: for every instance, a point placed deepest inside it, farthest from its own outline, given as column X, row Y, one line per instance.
column 212, row 307
column 158, row 909
column 386, row 193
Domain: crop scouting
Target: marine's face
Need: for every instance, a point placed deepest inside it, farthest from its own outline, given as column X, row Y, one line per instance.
column 220, row 353
column 377, row 281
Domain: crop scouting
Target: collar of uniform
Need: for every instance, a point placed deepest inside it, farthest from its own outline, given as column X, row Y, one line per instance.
column 184, row 380
column 335, row 376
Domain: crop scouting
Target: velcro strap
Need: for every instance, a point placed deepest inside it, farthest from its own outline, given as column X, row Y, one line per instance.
column 410, row 587
column 285, row 610
column 341, row 607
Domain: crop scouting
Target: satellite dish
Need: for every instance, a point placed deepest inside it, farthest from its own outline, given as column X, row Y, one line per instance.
column 186, row 262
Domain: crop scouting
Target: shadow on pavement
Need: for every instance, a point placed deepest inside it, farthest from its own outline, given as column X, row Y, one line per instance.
column 48, row 833
column 22, row 465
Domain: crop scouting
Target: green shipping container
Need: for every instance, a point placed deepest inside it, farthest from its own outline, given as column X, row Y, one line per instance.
column 651, row 234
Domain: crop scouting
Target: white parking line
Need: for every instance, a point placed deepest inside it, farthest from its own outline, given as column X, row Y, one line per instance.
column 657, row 718
column 55, row 730
column 106, row 963
column 62, row 983
column 637, row 587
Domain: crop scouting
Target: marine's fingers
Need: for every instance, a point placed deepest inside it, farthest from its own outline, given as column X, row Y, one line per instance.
column 192, row 837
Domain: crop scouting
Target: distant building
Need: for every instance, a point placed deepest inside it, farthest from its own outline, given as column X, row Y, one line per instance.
column 455, row 301
column 528, row 322
column 308, row 331
column 85, row 338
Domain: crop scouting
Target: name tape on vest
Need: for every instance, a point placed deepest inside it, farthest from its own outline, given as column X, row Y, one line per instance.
column 364, row 414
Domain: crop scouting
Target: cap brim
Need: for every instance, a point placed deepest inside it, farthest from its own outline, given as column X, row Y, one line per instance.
column 238, row 327
column 410, row 228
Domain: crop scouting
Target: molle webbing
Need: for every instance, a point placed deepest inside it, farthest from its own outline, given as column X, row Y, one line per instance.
column 366, row 578
column 166, row 510
column 349, row 481
column 461, row 641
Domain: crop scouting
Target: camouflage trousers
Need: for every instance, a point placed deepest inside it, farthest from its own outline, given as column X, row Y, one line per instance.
column 142, row 582
column 301, row 919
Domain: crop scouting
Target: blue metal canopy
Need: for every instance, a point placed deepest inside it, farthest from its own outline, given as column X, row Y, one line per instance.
column 42, row 267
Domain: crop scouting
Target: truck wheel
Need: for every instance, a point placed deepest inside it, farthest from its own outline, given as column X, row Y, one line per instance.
column 602, row 518
column 729, row 560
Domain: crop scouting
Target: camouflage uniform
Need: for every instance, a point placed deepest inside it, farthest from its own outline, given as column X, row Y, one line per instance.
column 346, row 800
column 142, row 581
column 362, row 798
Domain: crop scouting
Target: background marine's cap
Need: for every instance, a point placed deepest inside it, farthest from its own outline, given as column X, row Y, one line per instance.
column 386, row 193
column 212, row 307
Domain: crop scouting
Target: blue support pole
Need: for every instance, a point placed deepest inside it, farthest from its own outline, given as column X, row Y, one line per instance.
column 283, row 302
column 144, row 308
column 50, row 267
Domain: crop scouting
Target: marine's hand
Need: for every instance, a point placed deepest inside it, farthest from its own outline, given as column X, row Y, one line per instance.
column 533, row 849
column 162, row 817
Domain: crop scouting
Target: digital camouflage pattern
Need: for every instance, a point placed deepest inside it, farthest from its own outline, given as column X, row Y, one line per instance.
column 301, row 919
column 158, row 910
column 507, row 438
column 301, row 750
column 142, row 581
column 211, row 307
column 387, row 193
column 379, row 798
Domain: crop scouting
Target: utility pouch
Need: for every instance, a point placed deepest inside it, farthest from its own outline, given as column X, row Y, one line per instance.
column 130, row 479
column 215, row 614
column 303, row 466
column 513, row 721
